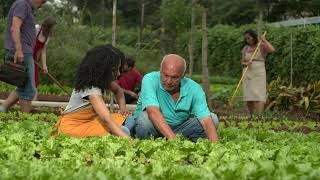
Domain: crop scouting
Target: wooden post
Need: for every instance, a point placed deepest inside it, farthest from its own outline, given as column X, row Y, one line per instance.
column 205, row 71
column 114, row 26
column 162, row 38
column 291, row 61
column 260, row 23
column 103, row 12
column 141, row 24
column 114, row 22
column 2, row 15
column 191, row 43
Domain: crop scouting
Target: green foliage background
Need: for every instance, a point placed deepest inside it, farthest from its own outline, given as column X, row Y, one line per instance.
column 226, row 43
column 70, row 42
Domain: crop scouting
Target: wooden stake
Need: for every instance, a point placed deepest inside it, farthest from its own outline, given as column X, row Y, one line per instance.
column 114, row 27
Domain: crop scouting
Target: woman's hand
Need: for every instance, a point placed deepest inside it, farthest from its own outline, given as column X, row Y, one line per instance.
column 263, row 38
column 18, row 56
column 124, row 112
column 269, row 46
column 45, row 69
column 245, row 63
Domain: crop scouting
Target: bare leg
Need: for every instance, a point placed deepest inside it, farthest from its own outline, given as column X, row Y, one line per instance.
column 250, row 105
column 25, row 105
column 11, row 100
column 259, row 106
column 35, row 96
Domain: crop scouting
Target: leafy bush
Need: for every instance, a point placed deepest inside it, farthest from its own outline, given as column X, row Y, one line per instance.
column 282, row 96
column 67, row 49
column 70, row 42
column 226, row 43
column 216, row 79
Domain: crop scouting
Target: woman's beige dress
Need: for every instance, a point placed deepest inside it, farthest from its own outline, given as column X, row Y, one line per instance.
column 254, row 83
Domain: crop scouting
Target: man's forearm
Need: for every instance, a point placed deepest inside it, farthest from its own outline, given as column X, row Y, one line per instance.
column 210, row 129
column 16, row 33
column 125, row 91
column 117, row 91
column 121, row 100
column 130, row 93
column 160, row 123
column 16, row 39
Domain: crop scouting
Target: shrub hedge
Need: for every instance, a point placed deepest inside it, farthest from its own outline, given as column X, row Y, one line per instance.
column 69, row 43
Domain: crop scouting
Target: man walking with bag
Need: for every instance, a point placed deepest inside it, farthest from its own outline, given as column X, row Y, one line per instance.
column 19, row 43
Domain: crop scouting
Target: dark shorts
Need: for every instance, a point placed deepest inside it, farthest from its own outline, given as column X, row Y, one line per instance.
column 129, row 99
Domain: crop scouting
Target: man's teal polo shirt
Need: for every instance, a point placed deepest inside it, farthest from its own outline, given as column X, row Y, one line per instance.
column 191, row 103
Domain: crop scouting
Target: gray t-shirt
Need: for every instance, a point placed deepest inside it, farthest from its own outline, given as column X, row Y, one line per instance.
column 80, row 99
column 23, row 10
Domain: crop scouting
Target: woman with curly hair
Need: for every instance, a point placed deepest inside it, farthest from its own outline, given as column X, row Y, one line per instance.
column 254, row 84
column 86, row 113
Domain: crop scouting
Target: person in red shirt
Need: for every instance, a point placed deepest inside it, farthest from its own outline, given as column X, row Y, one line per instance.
column 128, row 80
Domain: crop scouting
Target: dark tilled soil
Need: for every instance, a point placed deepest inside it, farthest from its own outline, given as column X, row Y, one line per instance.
column 295, row 114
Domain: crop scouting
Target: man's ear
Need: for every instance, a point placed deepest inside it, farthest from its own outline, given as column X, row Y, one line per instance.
column 182, row 76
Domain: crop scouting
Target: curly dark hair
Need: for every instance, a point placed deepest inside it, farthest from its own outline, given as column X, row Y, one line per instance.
column 130, row 62
column 251, row 33
column 99, row 67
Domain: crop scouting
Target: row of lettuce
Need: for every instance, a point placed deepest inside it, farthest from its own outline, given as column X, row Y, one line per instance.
column 226, row 121
column 241, row 153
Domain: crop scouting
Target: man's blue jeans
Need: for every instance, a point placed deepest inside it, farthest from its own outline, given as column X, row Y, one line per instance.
column 29, row 90
column 192, row 129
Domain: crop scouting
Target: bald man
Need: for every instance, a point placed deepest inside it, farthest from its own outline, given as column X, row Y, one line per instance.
column 172, row 104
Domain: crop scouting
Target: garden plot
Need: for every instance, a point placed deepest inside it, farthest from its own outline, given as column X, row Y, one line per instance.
column 29, row 152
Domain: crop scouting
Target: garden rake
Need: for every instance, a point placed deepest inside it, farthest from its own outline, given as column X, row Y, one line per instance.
column 54, row 80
